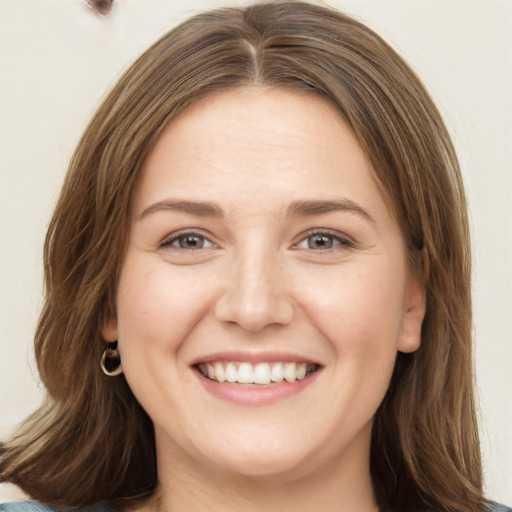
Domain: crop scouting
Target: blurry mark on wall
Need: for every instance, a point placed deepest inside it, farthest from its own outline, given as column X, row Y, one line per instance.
column 100, row 7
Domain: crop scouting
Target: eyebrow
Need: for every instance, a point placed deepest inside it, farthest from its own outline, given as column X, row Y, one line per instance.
column 199, row 208
column 320, row 207
column 302, row 208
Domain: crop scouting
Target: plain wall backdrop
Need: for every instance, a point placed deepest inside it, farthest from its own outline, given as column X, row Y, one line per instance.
column 57, row 59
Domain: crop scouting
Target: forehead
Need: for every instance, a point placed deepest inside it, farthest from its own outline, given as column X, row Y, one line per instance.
column 263, row 144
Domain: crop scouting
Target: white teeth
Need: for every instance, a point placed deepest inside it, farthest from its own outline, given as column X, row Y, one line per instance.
column 220, row 374
column 277, row 374
column 301, row 371
column 245, row 374
column 261, row 373
column 231, row 373
column 290, row 373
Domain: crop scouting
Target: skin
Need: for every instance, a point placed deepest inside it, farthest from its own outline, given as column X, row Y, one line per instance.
column 260, row 283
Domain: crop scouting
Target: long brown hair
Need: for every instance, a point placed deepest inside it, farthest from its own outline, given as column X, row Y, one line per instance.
column 91, row 441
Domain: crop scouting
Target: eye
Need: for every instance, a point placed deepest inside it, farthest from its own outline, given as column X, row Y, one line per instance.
column 187, row 241
column 320, row 241
column 323, row 241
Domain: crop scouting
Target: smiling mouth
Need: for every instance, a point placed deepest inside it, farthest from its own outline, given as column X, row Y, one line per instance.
column 264, row 374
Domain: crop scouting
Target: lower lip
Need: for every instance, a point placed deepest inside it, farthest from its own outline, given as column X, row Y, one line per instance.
column 254, row 395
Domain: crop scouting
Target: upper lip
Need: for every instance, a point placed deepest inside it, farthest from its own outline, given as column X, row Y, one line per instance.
column 255, row 357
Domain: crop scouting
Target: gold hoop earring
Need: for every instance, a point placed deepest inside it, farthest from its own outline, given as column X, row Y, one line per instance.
column 111, row 360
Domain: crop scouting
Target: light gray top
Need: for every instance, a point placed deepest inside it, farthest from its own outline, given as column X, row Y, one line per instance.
column 35, row 506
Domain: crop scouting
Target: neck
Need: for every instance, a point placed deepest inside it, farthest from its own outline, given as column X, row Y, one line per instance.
column 343, row 486
column 251, row 495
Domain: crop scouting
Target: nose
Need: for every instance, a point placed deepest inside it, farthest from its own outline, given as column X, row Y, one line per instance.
column 255, row 295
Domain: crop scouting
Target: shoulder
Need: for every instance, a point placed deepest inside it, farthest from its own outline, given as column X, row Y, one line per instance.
column 25, row 506
column 36, row 506
column 496, row 507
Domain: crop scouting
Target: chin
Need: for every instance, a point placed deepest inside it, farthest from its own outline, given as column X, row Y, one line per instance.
column 279, row 455
column 263, row 465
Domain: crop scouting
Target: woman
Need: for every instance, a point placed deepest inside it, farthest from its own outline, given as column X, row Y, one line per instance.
column 262, row 241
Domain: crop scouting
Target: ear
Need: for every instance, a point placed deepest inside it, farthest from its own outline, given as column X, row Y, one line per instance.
column 109, row 326
column 415, row 304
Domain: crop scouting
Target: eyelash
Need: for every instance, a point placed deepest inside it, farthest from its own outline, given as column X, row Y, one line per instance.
column 337, row 241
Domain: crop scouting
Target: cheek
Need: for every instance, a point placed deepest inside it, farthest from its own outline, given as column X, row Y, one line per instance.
column 157, row 306
column 359, row 310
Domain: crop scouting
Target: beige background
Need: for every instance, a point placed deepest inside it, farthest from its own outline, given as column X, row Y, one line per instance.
column 56, row 60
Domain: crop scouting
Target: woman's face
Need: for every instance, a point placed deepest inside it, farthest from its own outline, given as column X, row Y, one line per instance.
column 265, row 291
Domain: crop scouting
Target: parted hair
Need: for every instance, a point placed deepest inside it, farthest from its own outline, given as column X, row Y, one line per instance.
column 90, row 440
